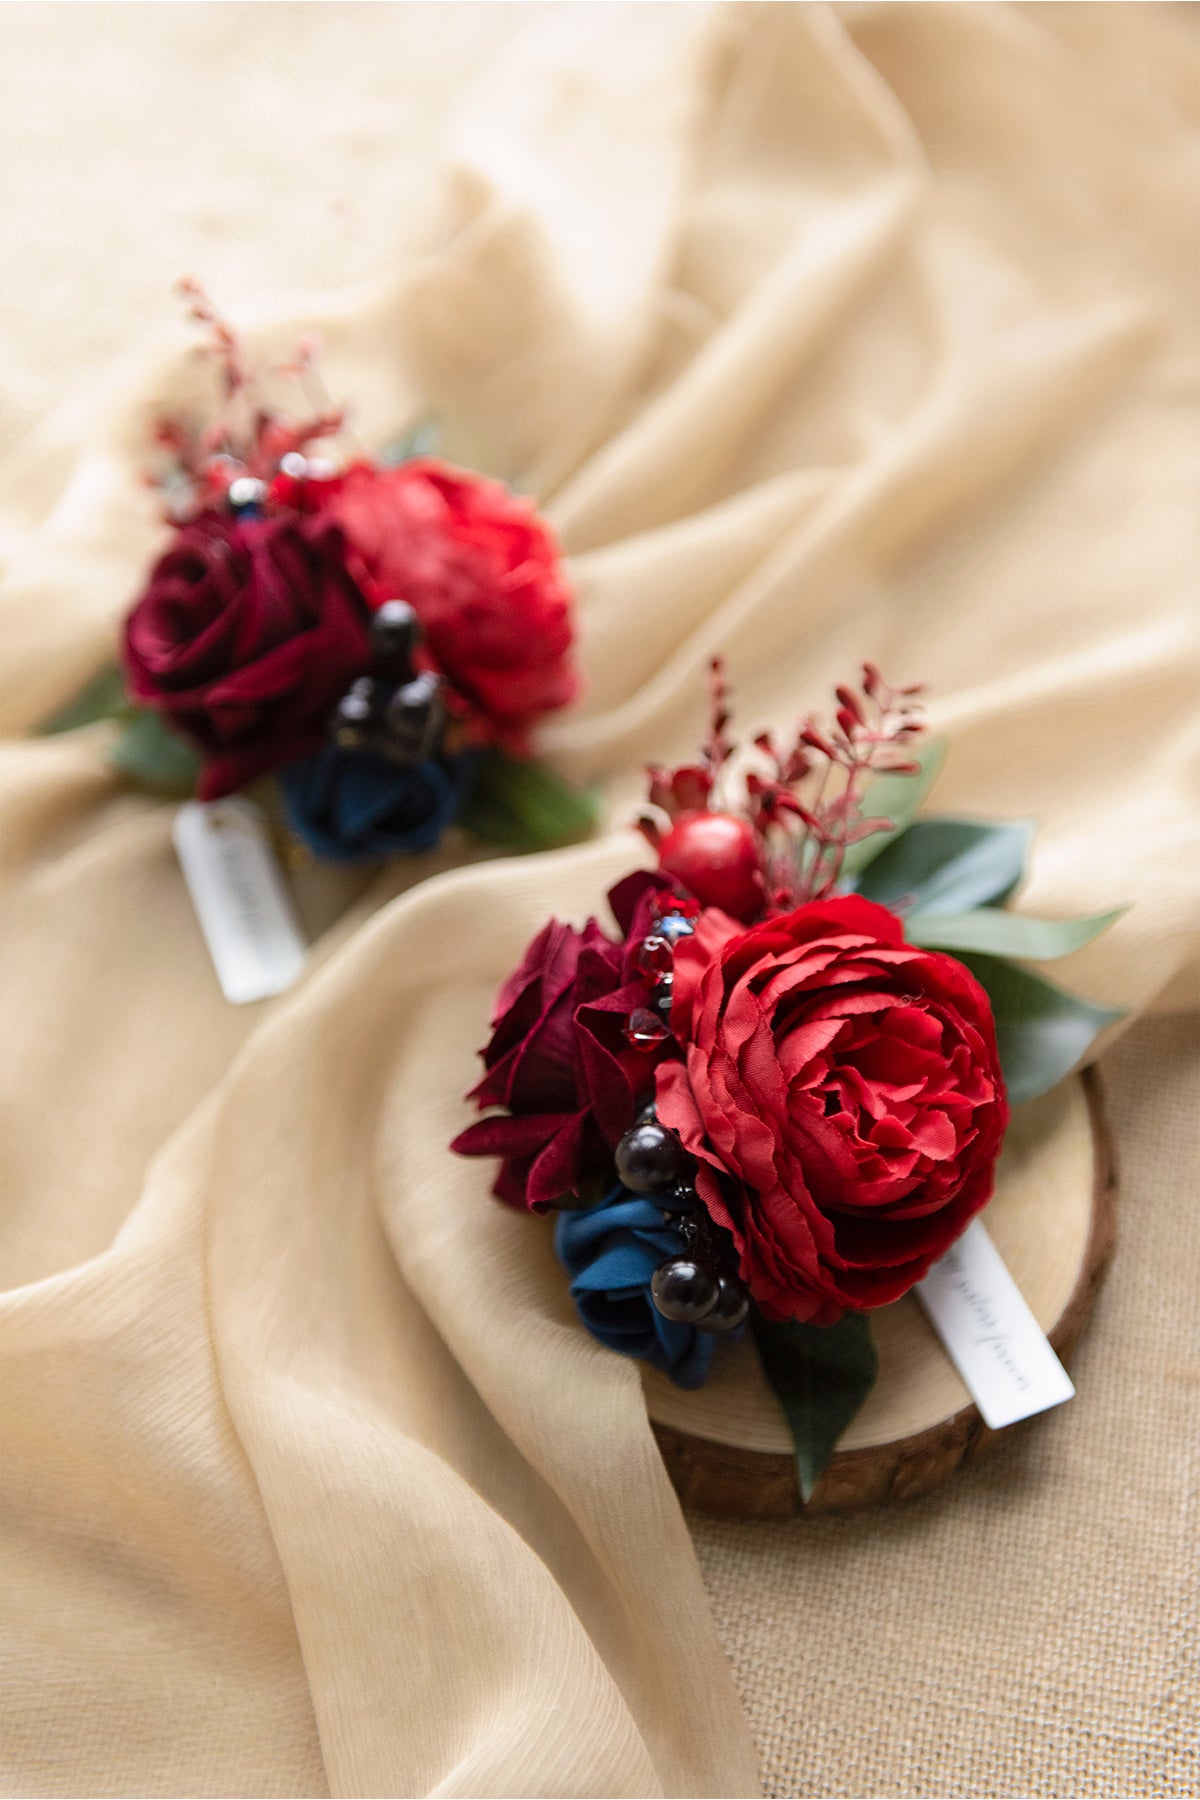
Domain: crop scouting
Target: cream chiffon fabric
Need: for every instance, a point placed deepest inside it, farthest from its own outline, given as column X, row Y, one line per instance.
column 820, row 334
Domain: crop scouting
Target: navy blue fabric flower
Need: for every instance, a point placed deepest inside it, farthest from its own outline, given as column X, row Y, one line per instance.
column 610, row 1252
column 354, row 806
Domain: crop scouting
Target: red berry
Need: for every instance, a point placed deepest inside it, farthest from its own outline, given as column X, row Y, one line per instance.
column 715, row 856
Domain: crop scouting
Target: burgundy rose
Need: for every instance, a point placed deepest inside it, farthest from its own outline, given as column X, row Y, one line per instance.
column 559, row 1059
column 842, row 1093
column 484, row 575
column 248, row 633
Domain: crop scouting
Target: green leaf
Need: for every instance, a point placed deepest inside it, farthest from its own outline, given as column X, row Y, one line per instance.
column 526, row 805
column 1006, row 933
column 948, row 865
column 1041, row 1030
column 898, row 798
column 421, row 439
column 821, row 1376
column 103, row 698
column 153, row 756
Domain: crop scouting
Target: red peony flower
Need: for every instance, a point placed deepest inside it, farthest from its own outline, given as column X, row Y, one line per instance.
column 248, row 633
column 841, row 1091
column 559, row 1059
column 484, row 575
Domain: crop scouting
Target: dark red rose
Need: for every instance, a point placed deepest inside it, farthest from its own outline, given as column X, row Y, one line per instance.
column 559, row 1059
column 248, row 633
column 842, row 1092
column 484, row 575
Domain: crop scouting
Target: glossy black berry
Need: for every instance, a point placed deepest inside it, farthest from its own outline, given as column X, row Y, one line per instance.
column 357, row 714
column 684, row 1290
column 395, row 634
column 680, row 1199
column 414, row 720
column 649, row 1159
column 731, row 1309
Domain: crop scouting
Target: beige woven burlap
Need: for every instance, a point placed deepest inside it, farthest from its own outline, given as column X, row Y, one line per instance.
column 821, row 333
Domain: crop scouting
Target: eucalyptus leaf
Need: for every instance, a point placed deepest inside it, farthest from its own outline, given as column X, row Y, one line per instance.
column 1042, row 1031
column 104, row 697
column 898, row 798
column 942, row 865
column 526, row 805
column 820, row 1375
column 153, row 756
column 1006, row 933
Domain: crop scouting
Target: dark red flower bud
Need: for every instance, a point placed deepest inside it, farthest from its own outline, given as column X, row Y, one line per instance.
column 851, row 703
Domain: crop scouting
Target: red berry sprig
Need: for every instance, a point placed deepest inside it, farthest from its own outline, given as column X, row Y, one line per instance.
column 812, row 797
column 248, row 441
column 787, row 842
column 714, row 852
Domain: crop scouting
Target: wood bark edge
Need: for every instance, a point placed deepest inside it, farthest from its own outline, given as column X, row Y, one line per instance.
column 728, row 1482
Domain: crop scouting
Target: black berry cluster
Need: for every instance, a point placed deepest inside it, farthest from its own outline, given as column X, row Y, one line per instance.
column 700, row 1287
column 393, row 712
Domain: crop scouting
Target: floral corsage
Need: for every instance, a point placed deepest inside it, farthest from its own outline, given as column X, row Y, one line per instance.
column 379, row 637
column 777, row 1095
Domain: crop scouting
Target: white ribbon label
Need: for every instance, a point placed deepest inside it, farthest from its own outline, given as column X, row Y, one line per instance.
column 989, row 1333
column 240, row 898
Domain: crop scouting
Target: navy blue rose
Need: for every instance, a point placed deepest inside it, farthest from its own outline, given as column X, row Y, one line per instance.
column 610, row 1252
column 354, row 806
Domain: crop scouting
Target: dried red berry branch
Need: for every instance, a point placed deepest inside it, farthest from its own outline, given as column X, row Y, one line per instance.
column 690, row 788
column 247, row 437
column 818, row 783
column 803, row 809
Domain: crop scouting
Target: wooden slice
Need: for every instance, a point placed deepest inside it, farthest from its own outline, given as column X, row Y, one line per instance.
column 1053, row 1219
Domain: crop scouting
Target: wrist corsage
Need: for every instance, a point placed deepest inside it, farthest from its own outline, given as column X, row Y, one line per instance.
column 379, row 637
column 777, row 1095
